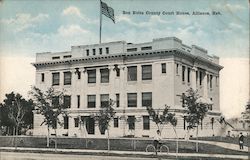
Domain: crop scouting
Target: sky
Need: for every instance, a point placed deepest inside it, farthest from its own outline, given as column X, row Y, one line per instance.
column 28, row 27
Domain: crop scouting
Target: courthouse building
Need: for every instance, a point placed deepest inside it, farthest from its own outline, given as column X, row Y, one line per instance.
column 134, row 76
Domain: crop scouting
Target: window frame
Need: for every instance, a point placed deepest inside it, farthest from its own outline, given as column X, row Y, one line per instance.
column 67, row 101
column 76, row 122
column 67, row 80
column 145, row 101
column 78, row 101
column 91, row 104
column 104, row 75
column 107, row 50
column 65, row 122
column 183, row 71
column 100, row 51
column 91, row 76
column 104, row 100
column 116, row 122
column 131, row 122
column 117, row 99
column 132, row 103
column 163, row 68
column 56, row 80
column 132, row 73
column 146, row 71
column 146, row 126
column 42, row 77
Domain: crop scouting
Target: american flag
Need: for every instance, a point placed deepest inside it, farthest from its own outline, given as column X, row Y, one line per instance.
column 108, row 11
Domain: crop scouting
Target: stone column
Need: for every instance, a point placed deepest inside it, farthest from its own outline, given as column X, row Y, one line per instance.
column 205, row 85
column 193, row 78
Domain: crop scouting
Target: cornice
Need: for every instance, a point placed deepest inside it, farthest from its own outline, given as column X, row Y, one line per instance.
column 124, row 57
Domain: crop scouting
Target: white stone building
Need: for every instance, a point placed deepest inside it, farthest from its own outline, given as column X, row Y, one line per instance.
column 134, row 75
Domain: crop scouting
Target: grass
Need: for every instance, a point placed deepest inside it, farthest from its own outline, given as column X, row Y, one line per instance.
column 234, row 140
column 127, row 144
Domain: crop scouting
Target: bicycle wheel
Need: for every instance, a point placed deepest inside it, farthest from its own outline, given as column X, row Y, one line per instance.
column 150, row 148
column 164, row 149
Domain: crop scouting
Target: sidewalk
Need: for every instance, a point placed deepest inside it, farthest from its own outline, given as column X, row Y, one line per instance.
column 223, row 145
column 121, row 153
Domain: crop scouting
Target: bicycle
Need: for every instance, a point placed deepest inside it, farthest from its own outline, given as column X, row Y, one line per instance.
column 163, row 148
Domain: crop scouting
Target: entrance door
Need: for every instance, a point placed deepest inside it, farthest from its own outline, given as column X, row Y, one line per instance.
column 90, row 124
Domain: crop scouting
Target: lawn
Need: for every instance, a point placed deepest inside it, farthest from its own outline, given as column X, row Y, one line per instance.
column 126, row 144
column 234, row 140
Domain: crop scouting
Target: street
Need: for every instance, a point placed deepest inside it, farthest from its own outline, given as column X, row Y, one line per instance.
column 44, row 156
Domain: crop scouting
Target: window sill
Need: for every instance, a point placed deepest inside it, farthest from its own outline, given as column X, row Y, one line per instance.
column 104, row 84
column 132, row 82
column 146, row 81
column 91, row 84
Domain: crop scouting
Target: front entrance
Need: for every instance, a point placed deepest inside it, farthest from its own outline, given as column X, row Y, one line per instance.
column 89, row 124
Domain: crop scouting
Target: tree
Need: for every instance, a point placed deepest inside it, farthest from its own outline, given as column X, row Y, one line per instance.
column 196, row 109
column 50, row 105
column 104, row 116
column 163, row 119
column 16, row 113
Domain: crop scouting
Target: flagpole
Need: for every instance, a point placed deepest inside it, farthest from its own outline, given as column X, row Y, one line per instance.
column 100, row 32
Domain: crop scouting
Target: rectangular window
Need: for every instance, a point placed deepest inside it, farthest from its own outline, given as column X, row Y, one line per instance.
column 104, row 100
column 183, row 73
column 42, row 77
column 116, row 122
column 100, row 51
column 78, row 101
column 91, row 76
column 87, row 52
column 147, row 72
column 66, row 122
column 117, row 99
column 55, row 101
column 132, row 99
column 211, row 81
column 132, row 73
column 210, row 105
column 67, row 78
column 200, row 78
column 55, row 78
column 93, row 52
column 78, row 73
column 104, row 75
column 56, row 57
column 131, row 49
column 107, row 50
column 91, row 101
column 196, row 74
column 146, row 123
column 117, row 70
column 163, row 68
column 208, row 81
column 67, row 56
column 131, row 122
column 146, row 48
column 67, row 101
column 217, row 80
column 177, row 69
column 189, row 72
column 184, row 122
column 76, row 120
column 147, row 99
